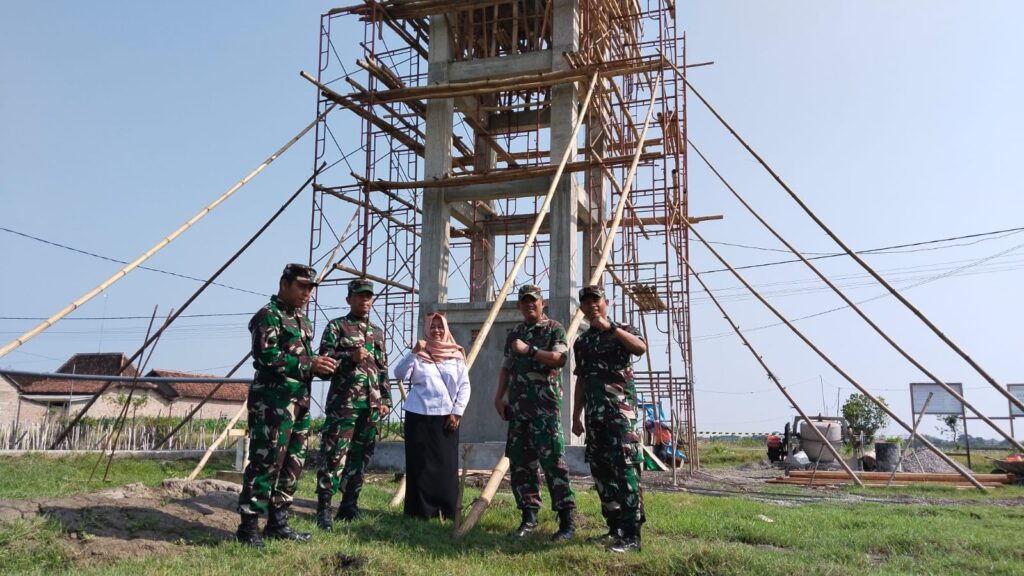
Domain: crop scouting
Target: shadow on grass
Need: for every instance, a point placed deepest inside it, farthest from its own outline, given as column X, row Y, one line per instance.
column 128, row 523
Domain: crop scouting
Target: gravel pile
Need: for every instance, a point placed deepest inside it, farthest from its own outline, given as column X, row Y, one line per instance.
column 925, row 461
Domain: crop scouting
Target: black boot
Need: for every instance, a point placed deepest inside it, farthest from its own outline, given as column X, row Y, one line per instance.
column 608, row 537
column 529, row 523
column 248, row 532
column 278, row 529
column 323, row 512
column 566, row 526
column 349, row 510
column 629, row 541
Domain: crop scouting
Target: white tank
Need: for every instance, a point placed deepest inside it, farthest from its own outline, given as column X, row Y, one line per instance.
column 814, row 447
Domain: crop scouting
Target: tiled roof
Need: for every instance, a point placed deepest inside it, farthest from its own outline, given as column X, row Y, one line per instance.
column 199, row 390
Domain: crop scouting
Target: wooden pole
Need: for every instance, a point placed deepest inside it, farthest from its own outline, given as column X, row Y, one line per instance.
column 216, row 443
column 158, row 246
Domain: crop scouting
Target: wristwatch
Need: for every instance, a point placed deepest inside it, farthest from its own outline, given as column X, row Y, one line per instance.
column 613, row 328
column 533, row 351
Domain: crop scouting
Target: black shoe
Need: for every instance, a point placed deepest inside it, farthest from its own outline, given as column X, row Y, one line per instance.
column 323, row 512
column 278, row 529
column 566, row 526
column 629, row 541
column 248, row 532
column 349, row 510
column 529, row 523
column 608, row 537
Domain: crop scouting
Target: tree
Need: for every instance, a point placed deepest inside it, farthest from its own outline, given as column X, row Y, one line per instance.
column 864, row 416
column 951, row 426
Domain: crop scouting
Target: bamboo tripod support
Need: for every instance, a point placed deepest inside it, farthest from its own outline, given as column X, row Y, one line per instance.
column 45, row 324
column 857, row 309
column 494, row 482
column 853, row 255
column 224, row 434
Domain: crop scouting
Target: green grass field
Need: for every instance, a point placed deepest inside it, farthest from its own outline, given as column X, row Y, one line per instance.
column 685, row 534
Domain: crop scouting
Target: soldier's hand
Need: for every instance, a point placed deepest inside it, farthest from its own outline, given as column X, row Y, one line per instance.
column 501, row 406
column 419, row 346
column 577, row 427
column 384, row 410
column 601, row 323
column 360, row 354
column 324, row 365
column 519, row 347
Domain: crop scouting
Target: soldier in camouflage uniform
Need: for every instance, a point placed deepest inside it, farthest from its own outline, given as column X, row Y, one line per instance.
column 535, row 352
column 359, row 397
column 279, row 407
column 606, row 391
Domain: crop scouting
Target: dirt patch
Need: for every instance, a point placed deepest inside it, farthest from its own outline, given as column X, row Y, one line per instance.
column 134, row 520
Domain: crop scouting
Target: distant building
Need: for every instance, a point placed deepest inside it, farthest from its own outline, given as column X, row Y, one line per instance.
column 26, row 400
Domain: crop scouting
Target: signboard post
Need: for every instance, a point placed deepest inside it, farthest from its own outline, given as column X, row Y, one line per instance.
column 942, row 404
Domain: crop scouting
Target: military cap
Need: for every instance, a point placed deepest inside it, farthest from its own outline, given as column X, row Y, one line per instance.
column 530, row 291
column 591, row 291
column 360, row 285
column 300, row 272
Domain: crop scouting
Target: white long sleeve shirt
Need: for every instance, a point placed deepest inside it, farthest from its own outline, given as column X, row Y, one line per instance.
column 435, row 389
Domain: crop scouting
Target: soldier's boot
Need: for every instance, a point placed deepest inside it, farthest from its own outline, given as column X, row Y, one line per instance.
column 277, row 527
column 324, row 512
column 529, row 523
column 629, row 541
column 349, row 510
column 566, row 526
column 608, row 537
column 248, row 532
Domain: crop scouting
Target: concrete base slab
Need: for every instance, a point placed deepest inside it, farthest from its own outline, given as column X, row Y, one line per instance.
column 390, row 456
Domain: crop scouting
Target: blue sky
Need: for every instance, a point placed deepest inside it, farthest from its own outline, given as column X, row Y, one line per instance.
column 897, row 122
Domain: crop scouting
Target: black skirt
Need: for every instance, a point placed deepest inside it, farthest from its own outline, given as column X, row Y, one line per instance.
column 431, row 467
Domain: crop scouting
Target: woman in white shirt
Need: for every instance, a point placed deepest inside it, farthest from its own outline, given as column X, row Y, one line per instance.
column 435, row 369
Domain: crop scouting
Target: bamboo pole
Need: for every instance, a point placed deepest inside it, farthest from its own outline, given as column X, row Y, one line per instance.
column 45, row 324
column 216, row 443
column 602, row 263
column 484, row 500
column 399, row 496
column 481, row 503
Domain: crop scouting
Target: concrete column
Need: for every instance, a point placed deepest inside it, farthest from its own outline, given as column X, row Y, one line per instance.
column 596, row 186
column 564, row 206
column 434, row 244
column 482, row 266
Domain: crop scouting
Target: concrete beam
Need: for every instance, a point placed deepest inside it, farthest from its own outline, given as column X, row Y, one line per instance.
column 500, row 66
column 497, row 190
column 516, row 122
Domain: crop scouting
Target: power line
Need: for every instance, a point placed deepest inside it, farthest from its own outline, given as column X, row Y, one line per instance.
column 882, row 250
column 109, row 259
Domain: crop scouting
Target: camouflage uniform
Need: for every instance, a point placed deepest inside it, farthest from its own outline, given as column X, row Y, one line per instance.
column 534, row 427
column 353, row 402
column 278, row 406
column 605, row 371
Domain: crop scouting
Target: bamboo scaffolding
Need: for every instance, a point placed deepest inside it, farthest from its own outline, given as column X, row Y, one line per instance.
column 7, row 348
column 517, row 83
column 506, row 175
